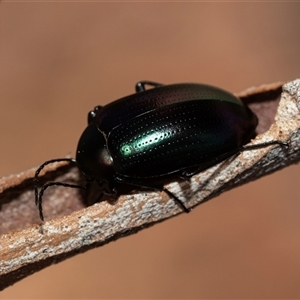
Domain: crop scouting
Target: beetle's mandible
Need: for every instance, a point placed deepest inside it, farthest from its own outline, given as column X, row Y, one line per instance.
column 141, row 139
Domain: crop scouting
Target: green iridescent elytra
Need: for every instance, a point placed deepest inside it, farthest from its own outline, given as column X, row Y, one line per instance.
column 165, row 130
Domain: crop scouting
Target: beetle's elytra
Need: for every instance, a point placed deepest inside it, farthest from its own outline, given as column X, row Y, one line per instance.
column 178, row 129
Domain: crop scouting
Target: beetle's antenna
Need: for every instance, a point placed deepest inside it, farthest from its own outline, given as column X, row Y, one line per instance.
column 38, row 195
column 44, row 187
column 41, row 167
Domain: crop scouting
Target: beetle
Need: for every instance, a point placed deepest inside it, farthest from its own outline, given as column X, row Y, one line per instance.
column 159, row 132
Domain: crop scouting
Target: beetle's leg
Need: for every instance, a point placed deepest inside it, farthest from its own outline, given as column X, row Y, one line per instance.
column 92, row 113
column 177, row 200
column 155, row 188
column 266, row 144
column 140, row 86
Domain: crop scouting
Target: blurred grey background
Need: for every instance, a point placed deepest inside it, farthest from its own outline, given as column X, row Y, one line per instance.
column 60, row 59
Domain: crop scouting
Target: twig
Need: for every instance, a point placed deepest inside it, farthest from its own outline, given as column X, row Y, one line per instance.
column 27, row 245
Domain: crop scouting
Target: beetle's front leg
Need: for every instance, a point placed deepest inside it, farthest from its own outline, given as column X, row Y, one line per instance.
column 92, row 114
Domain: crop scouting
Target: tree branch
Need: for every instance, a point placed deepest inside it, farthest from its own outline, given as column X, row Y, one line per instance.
column 27, row 245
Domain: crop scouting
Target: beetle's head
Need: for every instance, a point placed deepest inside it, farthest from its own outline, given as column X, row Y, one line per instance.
column 92, row 156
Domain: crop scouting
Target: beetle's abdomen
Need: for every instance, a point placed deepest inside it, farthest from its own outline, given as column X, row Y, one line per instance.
column 175, row 137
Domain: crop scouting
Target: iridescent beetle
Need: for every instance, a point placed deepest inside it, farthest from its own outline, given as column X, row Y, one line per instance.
column 178, row 129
